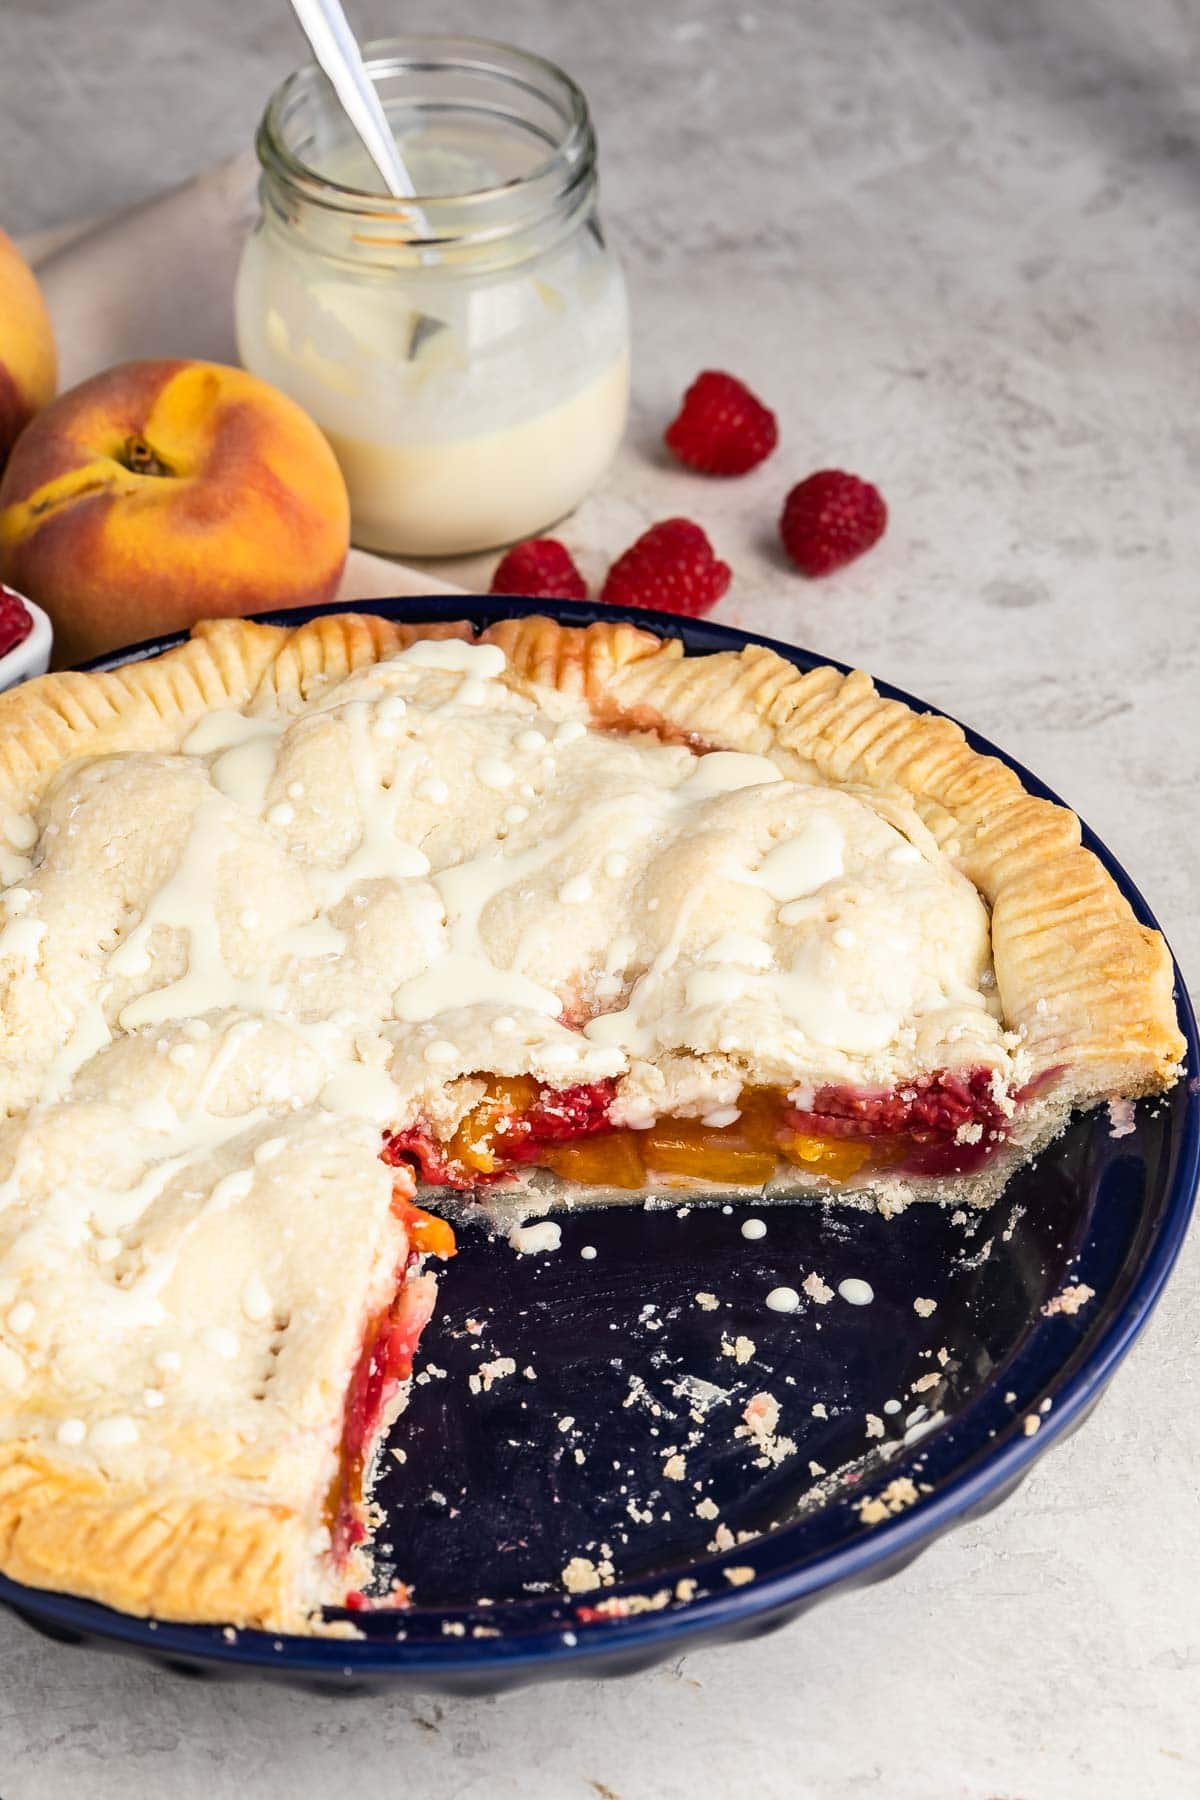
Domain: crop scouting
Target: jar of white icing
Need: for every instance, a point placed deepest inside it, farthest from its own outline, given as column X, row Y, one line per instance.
column 467, row 352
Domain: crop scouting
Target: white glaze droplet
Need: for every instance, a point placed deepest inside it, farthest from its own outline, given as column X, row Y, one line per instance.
column 71, row 1431
column 855, row 1291
column 20, row 1317
column 256, row 1301
column 615, row 865
column 440, row 1053
column 114, row 1433
column 576, row 890
column 754, row 1229
column 20, row 831
column 230, row 1189
column 783, row 1299
column 494, row 772
column 588, row 1252
column 434, row 790
column 725, row 771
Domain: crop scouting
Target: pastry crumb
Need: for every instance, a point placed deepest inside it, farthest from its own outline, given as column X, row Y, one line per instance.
column 924, row 1308
column 536, row 1239
column 740, row 1348
column 1121, row 1118
column 1069, row 1300
column 759, row 1420
column 583, row 1576
column 707, row 1302
column 707, row 1509
column 816, row 1289
column 484, row 1378
column 739, row 1575
column 897, row 1495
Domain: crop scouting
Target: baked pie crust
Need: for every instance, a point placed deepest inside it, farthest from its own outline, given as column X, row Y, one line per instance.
column 290, row 916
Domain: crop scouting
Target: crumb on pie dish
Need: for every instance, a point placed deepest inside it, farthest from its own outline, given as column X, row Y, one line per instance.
column 293, row 921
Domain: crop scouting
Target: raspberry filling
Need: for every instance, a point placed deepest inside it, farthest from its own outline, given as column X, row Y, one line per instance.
column 384, row 1363
column 945, row 1123
column 16, row 621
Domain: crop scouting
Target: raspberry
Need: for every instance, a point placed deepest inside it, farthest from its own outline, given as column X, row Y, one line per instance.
column 721, row 428
column 830, row 518
column 16, row 622
column 671, row 567
column 541, row 569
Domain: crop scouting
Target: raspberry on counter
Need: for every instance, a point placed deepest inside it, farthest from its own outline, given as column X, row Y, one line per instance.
column 721, row 428
column 540, row 568
column 829, row 519
column 671, row 567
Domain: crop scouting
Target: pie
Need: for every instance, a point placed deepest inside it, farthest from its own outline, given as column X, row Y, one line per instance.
column 296, row 920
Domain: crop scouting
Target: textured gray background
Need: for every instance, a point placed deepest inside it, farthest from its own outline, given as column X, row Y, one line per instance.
column 957, row 247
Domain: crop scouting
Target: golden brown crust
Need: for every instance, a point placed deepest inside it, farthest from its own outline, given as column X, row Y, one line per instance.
column 154, row 1552
column 1090, row 988
column 149, row 705
column 1088, row 985
column 580, row 660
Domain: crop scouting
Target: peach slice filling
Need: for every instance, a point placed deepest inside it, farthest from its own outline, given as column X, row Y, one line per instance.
column 946, row 1123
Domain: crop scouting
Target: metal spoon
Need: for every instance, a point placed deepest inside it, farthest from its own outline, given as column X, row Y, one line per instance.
column 335, row 47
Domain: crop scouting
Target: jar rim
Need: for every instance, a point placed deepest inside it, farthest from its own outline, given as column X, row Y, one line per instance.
column 571, row 156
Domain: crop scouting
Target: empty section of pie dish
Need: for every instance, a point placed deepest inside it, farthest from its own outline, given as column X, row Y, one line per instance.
column 558, row 901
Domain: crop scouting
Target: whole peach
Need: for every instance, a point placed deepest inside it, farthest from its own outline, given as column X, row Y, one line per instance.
column 161, row 492
column 28, row 364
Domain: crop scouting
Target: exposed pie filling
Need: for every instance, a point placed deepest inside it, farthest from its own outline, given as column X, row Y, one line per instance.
column 233, row 965
column 384, row 1364
column 944, row 1124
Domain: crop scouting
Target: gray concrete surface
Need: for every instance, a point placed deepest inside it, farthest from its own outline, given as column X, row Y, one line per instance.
column 958, row 248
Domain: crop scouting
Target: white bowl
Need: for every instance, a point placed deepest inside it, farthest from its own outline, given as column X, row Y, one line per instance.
column 32, row 655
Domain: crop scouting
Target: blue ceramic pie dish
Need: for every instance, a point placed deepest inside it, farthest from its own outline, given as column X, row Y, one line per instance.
column 618, row 1437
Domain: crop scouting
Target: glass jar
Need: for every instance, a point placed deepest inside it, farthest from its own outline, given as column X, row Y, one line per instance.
column 467, row 352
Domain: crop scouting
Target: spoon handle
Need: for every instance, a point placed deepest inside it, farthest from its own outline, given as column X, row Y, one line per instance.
column 334, row 45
